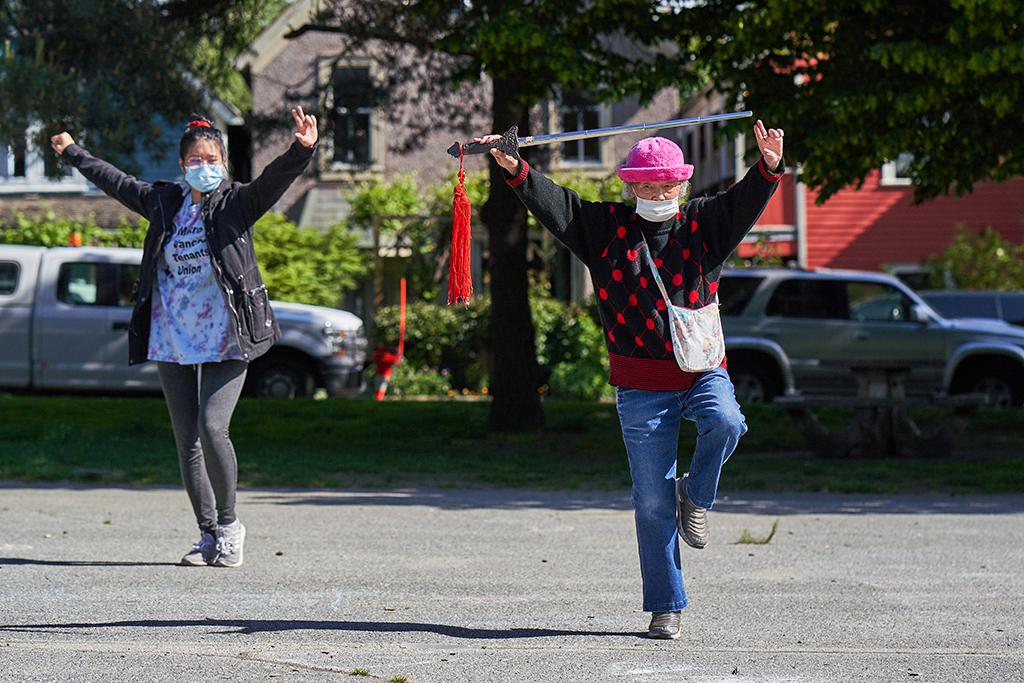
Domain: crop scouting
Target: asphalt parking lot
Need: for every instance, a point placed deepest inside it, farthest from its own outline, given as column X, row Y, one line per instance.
column 506, row 585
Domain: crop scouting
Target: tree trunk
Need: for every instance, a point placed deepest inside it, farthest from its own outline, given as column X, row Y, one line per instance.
column 514, row 386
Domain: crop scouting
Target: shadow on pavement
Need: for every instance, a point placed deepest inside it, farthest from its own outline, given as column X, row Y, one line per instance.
column 758, row 504
column 462, row 499
column 82, row 563
column 248, row 627
column 853, row 504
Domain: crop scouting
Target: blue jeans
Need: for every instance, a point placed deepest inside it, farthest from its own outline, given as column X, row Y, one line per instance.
column 650, row 429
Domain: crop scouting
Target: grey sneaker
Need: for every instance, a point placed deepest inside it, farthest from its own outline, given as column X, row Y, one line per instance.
column 230, row 539
column 691, row 520
column 665, row 625
column 202, row 552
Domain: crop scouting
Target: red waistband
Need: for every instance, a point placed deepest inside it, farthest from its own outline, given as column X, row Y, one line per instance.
column 649, row 374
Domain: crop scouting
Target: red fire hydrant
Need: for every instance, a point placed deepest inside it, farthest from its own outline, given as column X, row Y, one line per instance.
column 385, row 359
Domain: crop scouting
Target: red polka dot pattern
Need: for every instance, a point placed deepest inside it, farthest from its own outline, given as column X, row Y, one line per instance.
column 632, row 308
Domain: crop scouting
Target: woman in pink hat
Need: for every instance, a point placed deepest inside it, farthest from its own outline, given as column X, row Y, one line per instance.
column 655, row 268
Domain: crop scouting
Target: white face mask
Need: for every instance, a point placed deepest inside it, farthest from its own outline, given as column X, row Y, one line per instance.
column 657, row 211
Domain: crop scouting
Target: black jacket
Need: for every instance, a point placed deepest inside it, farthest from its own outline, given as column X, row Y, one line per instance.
column 229, row 212
column 689, row 250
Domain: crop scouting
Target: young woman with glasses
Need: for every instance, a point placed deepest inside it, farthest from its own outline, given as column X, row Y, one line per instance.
column 201, row 310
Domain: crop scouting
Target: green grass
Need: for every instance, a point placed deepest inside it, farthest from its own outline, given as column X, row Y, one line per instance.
column 362, row 443
column 747, row 538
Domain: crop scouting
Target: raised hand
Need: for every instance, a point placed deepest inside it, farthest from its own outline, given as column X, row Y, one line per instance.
column 60, row 141
column 305, row 127
column 769, row 141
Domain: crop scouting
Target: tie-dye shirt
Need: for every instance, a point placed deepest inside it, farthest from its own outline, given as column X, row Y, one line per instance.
column 190, row 322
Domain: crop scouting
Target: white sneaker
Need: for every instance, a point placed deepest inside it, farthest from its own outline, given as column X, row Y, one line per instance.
column 230, row 539
column 202, row 552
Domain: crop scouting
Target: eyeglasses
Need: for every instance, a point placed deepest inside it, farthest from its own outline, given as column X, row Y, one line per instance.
column 667, row 187
column 651, row 190
column 196, row 162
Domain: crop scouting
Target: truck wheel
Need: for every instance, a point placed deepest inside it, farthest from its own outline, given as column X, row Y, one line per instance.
column 1002, row 392
column 282, row 379
column 754, row 383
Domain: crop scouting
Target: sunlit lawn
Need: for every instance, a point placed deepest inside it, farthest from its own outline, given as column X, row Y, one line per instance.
column 363, row 443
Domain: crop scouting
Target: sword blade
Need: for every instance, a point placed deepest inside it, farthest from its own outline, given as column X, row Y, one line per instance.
column 510, row 144
column 621, row 130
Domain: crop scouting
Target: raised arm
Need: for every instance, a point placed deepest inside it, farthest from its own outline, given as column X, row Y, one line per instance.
column 262, row 193
column 115, row 183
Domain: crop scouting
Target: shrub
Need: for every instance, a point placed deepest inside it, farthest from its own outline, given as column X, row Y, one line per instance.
column 571, row 353
column 304, row 265
column 411, row 380
column 570, row 345
column 452, row 337
column 978, row 261
column 55, row 230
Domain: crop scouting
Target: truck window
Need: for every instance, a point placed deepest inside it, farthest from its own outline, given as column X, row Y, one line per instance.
column 877, row 302
column 734, row 292
column 1013, row 307
column 798, row 298
column 96, row 284
column 8, row 277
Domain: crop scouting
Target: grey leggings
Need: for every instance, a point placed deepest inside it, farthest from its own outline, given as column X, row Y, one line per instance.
column 201, row 400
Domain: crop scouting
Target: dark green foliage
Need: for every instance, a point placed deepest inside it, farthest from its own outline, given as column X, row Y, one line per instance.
column 102, row 70
column 98, row 69
column 979, row 261
column 53, row 230
column 857, row 82
column 454, row 339
column 304, row 265
column 570, row 349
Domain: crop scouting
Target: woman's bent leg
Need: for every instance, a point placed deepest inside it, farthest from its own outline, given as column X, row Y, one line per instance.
column 711, row 404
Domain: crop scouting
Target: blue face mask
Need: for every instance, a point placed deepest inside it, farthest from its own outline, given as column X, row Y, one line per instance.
column 204, row 178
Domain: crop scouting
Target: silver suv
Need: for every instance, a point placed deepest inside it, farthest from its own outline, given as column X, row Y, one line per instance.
column 801, row 332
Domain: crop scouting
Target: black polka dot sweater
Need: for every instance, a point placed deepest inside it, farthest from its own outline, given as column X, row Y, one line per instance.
column 688, row 249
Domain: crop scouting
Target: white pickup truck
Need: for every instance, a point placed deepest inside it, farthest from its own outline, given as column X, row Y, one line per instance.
column 64, row 316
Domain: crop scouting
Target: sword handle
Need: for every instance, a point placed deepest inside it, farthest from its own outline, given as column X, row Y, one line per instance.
column 507, row 143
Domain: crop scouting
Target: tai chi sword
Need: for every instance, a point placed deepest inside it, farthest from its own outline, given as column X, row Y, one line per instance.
column 509, row 143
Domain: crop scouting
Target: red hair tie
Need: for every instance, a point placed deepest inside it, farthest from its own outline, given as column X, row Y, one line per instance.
column 204, row 124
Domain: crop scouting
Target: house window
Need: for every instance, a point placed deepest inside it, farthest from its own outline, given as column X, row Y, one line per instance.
column 578, row 111
column 352, row 93
column 12, row 162
column 24, row 167
column 897, row 172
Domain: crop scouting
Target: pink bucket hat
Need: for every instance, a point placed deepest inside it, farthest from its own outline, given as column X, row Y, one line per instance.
column 654, row 160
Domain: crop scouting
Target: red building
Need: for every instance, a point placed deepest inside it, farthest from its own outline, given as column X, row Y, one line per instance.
column 878, row 226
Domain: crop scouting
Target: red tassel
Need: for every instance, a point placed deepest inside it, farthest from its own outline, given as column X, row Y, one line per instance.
column 460, row 274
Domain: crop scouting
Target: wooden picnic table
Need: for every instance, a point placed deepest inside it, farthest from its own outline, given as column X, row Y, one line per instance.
column 881, row 426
